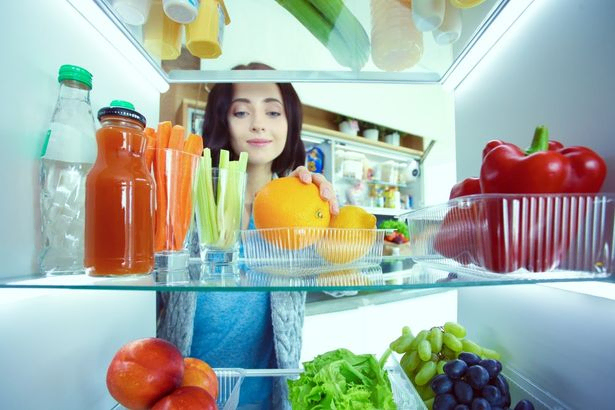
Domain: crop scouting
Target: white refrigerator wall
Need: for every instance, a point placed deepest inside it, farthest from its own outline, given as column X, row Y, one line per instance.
column 554, row 67
column 55, row 343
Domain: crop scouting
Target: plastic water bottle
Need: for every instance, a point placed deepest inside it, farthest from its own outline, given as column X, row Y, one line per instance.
column 68, row 154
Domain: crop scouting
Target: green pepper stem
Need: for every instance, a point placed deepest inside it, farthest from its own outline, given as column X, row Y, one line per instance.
column 540, row 142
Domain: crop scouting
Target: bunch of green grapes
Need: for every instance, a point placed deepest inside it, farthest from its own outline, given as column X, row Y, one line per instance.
column 425, row 355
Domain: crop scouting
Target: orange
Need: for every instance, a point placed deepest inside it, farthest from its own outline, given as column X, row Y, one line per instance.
column 289, row 203
column 352, row 235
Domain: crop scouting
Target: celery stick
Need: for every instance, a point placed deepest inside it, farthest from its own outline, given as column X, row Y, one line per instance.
column 206, row 206
column 234, row 204
column 210, row 198
column 222, row 164
column 243, row 162
column 229, row 223
column 202, row 211
column 235, row 196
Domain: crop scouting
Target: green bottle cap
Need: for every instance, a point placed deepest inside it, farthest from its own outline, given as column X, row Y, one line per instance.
column 76, row 73
column 122, row 103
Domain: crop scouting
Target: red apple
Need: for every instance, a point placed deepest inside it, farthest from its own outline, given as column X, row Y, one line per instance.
column 198, row 373
column 143, row 371
column 187, row 398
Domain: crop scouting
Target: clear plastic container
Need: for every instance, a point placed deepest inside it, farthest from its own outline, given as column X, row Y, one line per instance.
column 229, row 387
column 306, row 251
column 567, row 235
column 68, row 155
column 396, row 43
column 450, row 30
column 428, row 14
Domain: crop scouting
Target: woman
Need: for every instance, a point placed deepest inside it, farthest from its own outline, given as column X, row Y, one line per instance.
column 249, row 329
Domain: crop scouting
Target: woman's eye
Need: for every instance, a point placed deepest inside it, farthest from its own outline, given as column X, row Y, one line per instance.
column 240, row 114
column 274, row 113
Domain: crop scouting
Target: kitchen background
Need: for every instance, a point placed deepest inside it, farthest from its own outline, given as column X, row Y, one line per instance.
column 554, row 66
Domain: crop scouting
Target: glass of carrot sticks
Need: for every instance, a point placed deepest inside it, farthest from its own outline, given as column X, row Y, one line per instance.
column 219, row 203
column 174, row 160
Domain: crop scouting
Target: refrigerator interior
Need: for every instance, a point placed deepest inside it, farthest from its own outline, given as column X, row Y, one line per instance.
column 553, row 67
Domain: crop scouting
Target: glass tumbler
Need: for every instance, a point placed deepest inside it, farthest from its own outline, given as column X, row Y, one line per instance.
column 220, row 195
column 174, row 173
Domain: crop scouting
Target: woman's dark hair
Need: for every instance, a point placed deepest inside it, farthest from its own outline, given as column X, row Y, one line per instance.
column 216, row 133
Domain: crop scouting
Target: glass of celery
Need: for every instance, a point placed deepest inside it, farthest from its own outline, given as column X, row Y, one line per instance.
column 219, row 208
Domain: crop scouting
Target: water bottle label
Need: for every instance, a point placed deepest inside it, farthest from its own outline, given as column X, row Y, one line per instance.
column 68, row 144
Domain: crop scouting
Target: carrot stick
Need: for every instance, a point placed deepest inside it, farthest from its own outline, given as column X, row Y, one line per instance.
column 176, row 139
column 150, row 134
column 162, row 142
column 194, row 146
column 174, row 202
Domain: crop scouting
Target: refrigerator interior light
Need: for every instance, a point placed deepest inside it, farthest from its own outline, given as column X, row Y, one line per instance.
column 510, row 12
column 93, row 12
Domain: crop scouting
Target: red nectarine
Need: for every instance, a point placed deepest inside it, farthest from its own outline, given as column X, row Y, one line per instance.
column 187, row 398
column 143, row 371
column 198, row 373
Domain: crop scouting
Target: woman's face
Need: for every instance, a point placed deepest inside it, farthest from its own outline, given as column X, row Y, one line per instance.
column 257, row 122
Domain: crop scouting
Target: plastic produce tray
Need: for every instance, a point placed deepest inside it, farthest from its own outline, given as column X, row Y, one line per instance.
column 404, row 393
column 556, row 235
column 229, row 385
column 308, row 251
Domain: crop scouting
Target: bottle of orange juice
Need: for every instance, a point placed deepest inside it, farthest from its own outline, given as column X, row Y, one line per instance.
column 119, row 201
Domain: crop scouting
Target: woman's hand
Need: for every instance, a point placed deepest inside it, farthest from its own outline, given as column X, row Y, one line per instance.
column 325, row 187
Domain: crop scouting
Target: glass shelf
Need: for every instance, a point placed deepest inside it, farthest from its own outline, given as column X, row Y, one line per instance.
column 393, row 273
column 302, row 57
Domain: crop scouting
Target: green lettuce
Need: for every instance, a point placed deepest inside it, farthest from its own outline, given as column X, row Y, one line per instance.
column 341, row 380
column 399, row 226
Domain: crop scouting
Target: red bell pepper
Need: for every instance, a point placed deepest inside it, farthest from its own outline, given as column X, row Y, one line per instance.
column 543, row 169
column 506, row 169
column 587, row 173
column 469, row 186
column 486, row 233
column 552, row 146
column 456, row 238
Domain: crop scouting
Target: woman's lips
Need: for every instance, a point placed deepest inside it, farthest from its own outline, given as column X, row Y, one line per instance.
column 258, row 142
